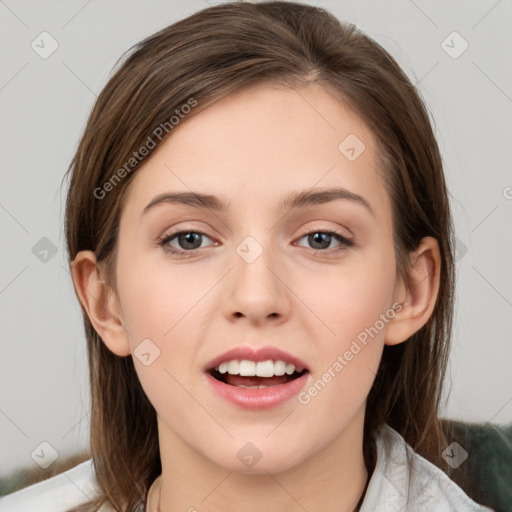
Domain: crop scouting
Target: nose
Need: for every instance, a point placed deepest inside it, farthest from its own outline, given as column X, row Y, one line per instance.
column 257, row 290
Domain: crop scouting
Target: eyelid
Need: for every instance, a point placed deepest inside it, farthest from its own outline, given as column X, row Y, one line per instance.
column 187, row 226
column 327, row 229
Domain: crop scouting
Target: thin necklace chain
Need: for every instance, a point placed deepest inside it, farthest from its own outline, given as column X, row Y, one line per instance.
column 160, row 496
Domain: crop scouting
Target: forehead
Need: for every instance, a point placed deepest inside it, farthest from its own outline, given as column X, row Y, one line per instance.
column 263, row 142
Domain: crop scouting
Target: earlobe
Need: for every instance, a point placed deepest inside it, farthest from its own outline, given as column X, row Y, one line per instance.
column 99, row 302
column 421, row 292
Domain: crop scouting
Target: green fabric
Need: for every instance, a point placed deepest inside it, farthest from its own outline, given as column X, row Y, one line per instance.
column 486, row 474
column 13, row 482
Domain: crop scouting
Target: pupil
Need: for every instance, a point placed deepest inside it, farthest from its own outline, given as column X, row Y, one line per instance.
column 190, row 240
column 323, row 239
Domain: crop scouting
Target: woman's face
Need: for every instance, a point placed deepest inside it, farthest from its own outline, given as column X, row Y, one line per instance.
column 262, row 272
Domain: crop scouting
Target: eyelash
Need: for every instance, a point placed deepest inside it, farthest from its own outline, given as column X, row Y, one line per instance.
column 346, row 243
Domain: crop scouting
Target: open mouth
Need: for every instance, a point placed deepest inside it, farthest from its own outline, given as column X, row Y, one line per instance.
column 257, row 381
column 251, row 375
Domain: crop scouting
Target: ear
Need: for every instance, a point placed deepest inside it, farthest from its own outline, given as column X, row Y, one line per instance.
column 420, row 290
column 100, row 302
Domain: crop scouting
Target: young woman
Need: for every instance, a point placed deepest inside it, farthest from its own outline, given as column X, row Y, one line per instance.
column 261, row 240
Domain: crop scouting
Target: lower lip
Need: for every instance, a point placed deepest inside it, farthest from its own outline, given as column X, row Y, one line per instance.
column 258, row 398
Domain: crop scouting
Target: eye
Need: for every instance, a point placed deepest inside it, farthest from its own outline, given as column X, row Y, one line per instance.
column 181, row 242
column 323, row 240
column 184, row 243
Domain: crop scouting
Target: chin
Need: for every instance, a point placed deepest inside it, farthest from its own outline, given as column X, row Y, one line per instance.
column 256, row 458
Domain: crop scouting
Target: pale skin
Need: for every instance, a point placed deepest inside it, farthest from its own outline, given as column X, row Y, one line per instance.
column 252, row 149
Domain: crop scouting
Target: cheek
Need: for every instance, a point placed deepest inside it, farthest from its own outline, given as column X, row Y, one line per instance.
column 353, row 296
column 158, row 307
column 354, row 303
column 355, row 308
column 169, row 307
column 158, row 299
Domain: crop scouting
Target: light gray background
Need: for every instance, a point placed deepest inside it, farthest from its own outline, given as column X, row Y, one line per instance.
column 44, row 105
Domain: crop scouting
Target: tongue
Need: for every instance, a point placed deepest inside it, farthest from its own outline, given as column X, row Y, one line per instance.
column 237, row 380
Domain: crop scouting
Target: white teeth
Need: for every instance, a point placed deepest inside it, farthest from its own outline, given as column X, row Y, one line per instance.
column 233, row 367
column 265, row 369
column 247, row 368
column 279, row 368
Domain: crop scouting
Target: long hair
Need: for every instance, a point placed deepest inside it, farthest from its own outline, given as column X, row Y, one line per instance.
column 196, row 62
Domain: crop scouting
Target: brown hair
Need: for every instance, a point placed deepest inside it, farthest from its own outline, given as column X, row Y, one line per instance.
column 205, row 57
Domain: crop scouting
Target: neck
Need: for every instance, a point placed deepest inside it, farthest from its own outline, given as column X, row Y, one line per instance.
column 333, row 480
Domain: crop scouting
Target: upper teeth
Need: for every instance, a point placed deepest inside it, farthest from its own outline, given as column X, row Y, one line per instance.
column 246, row 368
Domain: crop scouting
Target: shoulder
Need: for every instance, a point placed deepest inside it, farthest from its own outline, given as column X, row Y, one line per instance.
column 404, row 480
column 59, row 493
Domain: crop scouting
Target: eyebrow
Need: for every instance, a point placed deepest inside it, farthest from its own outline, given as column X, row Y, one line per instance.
column 297, row 199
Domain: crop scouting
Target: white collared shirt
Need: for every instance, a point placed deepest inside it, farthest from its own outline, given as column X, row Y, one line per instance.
column 403, row 481
column 397, row 485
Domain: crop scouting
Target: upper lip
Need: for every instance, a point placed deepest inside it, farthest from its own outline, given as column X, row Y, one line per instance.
column 256, row 355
